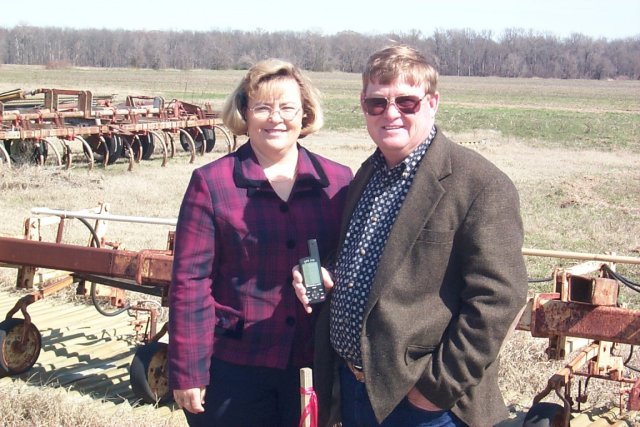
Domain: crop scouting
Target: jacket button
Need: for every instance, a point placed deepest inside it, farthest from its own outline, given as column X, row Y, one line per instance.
column 291, row 244
column 290, row 321
column 284, row 207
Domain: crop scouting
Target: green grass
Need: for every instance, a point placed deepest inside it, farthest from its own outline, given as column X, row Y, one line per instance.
column 583, row 95
column 601, row 130
column 574, row 113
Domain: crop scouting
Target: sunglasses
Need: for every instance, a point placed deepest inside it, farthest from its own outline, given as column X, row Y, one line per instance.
column 406, row 104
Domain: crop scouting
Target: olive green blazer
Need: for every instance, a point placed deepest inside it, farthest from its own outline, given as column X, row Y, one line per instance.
column 450, row 282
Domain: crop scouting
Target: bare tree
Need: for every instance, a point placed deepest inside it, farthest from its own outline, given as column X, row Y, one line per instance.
column 515, row 53
column 3, row 45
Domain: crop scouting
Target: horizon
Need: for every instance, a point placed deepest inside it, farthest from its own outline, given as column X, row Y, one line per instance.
column 618, row 20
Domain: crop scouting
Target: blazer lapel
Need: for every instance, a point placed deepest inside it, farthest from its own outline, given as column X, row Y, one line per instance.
column 424, row 195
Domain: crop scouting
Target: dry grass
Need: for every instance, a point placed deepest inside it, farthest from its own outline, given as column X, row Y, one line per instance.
column 48, row 406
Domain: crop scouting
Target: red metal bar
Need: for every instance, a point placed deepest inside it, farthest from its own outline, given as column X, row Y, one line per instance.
column 550, row 316
column 146, row 267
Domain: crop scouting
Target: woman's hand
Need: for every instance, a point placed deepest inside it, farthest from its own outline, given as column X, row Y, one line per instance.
column 298, row 285
column 191, row 399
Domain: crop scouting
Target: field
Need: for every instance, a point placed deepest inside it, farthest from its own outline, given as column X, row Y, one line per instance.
column 571, row 147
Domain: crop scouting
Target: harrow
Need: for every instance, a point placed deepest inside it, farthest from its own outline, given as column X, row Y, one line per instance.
column 39, row 127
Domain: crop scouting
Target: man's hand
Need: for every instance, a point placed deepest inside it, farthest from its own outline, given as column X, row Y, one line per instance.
column 191, row 399
column 301, row 291
column 419, row 401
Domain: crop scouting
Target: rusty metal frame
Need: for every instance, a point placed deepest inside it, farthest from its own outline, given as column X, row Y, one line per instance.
column 583, row 311
column 80, row 118
column 112, row 270
column 551, row 316
column 150, row 267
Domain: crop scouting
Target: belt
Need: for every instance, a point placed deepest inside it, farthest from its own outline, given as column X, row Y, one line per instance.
column 356, row 370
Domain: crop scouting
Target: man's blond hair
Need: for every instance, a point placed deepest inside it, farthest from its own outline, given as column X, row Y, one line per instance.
column 400, row 63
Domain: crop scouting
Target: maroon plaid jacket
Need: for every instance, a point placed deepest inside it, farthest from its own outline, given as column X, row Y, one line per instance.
column 236, row 241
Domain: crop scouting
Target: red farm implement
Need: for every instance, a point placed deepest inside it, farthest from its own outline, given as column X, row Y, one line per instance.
column 40, row 127
column 583, row 320
column 103, row 272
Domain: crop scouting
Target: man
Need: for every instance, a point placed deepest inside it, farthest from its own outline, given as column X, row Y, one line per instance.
column 429, row 274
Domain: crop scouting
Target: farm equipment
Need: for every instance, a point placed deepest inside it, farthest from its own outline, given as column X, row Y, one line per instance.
column 38, row 127
column 103, row 272
column 580, row 317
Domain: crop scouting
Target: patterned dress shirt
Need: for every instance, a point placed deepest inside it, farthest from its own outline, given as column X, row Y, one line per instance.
column 231, row 295
column 364, row 242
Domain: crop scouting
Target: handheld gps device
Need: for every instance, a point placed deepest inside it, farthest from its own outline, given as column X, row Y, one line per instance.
column 310, row 269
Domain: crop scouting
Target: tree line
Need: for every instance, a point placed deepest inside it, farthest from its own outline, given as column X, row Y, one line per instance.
column 461, row 52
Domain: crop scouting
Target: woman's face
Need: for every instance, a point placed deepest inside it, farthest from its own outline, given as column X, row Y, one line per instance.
column 271, row 133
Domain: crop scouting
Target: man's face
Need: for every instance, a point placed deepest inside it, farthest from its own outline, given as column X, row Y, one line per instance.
column 398, row 133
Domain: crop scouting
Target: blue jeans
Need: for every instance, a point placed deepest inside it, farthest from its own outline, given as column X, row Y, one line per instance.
column 357, row 410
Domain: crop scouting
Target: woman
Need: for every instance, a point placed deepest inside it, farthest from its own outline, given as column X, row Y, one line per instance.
column 238, row 336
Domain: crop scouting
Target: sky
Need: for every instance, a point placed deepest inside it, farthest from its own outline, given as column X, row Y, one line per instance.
column 611, row 19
